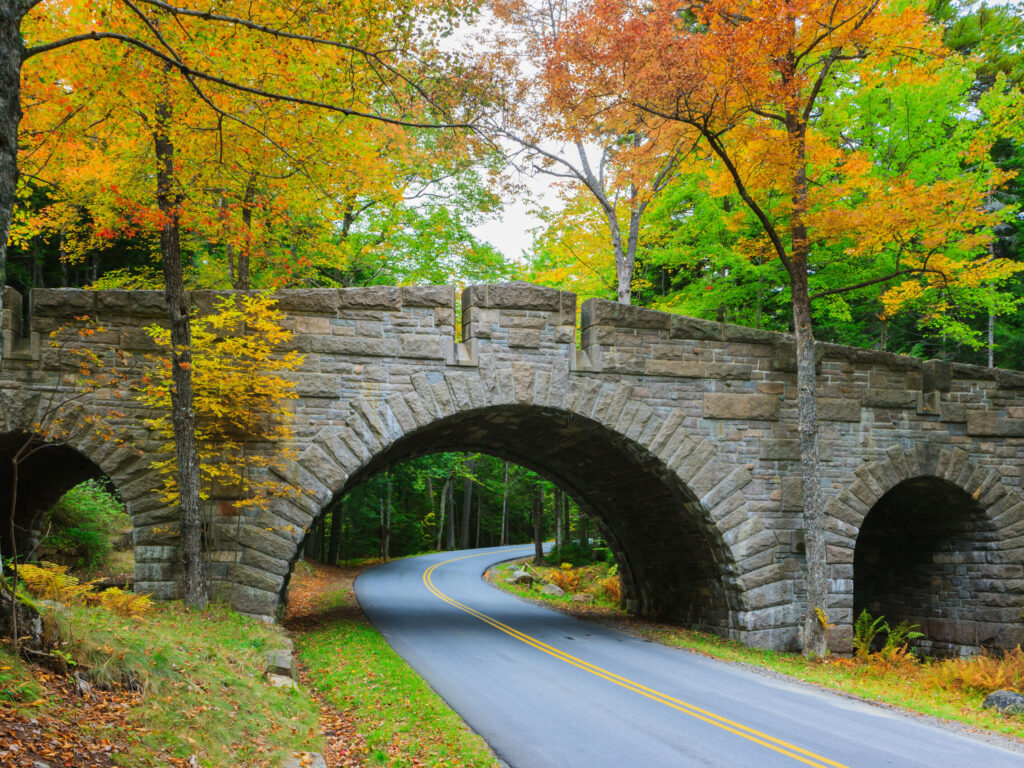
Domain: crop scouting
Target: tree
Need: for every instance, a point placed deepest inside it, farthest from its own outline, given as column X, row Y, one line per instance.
column 613, row 158
column 179, row 50
column 241, row 397
column 748, row 82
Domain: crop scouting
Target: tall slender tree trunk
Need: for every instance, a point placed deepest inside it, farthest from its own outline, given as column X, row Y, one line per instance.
column 558, row 518
column 243, row 279
column 450, row 525
column 815, row 640
column 538, row 513
column 385, row 523
column 467, row 505
column 441, row 516
column 183, row 417
column 504, row 509
column 479, row 514
column 12, row 50
column 337, row 516
column 566, row 532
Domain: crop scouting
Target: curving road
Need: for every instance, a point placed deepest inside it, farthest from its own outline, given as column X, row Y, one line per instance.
column 545, row 689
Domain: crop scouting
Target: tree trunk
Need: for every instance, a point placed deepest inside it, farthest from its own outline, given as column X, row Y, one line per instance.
column 441, row 517
column 450, row 525
column 815, row 640
column 566, row 519
column 183, row 417
column 558, row 519
column 242, row 274
column 479, row 514
column 504, row 509
column 538, row 512
column 385, row 524
column 467, row 505
column 337, row 515
column 11, row 51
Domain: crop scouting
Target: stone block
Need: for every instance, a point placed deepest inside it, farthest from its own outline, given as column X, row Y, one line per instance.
column 524, row 337
column 1009, row 379
column 428, row 296
column 246, row 599
column 385, row 297
column 250, row 576
column 792, row 494
column 62, row 302
column 839, row 409
column 890, row 398
column 516, row 295
column 720, row 405
column 347, row 345
column 422, row 346
column 313, row 325
column 936, row 376
column 600, row 312
column 982, row 422
column 319, row 301
column 314, row 384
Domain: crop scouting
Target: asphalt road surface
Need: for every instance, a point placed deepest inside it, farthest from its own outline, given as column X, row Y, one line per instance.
column 545, row 689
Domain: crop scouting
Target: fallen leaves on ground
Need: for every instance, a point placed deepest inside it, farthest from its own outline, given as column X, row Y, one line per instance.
column 344, row 746
column 57, row 737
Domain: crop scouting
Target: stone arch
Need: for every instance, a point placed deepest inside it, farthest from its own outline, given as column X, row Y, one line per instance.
column 756, row 601
column 959, row 517
column 83, row 454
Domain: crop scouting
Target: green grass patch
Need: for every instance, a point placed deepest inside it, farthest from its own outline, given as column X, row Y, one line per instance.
column 404, row 721
column 202, row 676
column 908, row 683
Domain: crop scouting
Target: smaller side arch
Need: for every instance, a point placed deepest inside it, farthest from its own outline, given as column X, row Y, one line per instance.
column 931, row 536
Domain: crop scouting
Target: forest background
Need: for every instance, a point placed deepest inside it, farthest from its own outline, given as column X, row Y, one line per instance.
column 273, row 189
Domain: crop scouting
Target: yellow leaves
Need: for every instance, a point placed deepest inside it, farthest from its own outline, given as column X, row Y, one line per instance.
column 240, row 397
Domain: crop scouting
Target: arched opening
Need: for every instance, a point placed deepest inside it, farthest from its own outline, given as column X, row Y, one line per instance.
column 927, row 553
column 673, row 563
column 44, row 473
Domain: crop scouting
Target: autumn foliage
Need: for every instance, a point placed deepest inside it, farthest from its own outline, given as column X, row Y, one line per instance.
column 242, row 397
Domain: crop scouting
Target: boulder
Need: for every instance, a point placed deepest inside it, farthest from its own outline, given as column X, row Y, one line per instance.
column 280, row 681
column 281, row 662
column 522, row 578
column 553, row 589
column 583, row 598
column 1006, row 701
column 305, row 760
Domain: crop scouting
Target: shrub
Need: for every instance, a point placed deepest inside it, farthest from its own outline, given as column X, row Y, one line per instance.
column 48, row 581
column 83, row 523
column 123, row 603
column 569, row 581
column 611, row 588
column 980, row 674
column 571, row 552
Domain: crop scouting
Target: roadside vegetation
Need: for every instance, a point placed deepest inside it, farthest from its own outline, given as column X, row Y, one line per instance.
column 150, row 685
column 400, row 720
column 883, row 670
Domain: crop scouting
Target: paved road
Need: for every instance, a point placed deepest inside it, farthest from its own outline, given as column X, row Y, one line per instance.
column 545, row 689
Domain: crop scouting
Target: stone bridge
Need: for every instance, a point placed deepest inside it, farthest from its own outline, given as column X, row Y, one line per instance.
column 679, row 436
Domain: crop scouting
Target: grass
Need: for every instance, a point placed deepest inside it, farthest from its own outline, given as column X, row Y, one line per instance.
column 201, row 674
column 404, row 722
column 905, row 682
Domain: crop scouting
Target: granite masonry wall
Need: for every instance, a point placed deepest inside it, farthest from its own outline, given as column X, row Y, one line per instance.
column 678, row 435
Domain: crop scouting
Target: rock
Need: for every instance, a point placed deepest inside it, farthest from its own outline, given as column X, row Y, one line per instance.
column 280, row 681
column 281, row 662
column 82, row 683
column 305, row 760
column 553, row 589
column 522, row 577
column 583, row 598
column 1005, row 701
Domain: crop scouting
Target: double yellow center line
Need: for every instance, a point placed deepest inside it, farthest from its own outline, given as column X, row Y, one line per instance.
column 778, row 745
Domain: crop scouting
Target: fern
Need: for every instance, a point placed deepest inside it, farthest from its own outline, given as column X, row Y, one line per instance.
column 865, row 630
